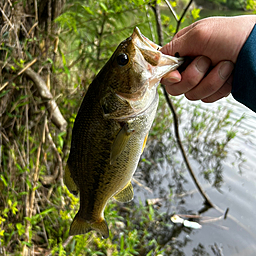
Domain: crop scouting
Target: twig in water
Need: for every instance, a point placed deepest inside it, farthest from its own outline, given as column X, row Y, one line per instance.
column 141, row 185
column 175, row 116
column 176, row 128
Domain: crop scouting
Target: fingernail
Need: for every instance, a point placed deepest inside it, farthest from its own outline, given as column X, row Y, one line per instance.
column 203, row 64
column 226, row 69
column 174, row 79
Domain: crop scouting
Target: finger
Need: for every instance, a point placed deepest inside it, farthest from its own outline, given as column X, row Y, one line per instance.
column 171, row 47
column 212, row 82
column 191, row 77
column 224, row 91
column 185, row 42
column 172, row 77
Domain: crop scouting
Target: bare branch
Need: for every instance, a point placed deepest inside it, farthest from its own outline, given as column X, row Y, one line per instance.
column 11, row 25
column 176, row 128
column 183, row 14
column 39, row 83
column 172, row 10
column 175, row 116
column 156, row 10
column 52, row 107
column 56, row 152
column 56, row 116
column 20, row 72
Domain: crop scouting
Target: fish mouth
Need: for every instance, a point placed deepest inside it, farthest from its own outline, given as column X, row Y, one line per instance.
column 155, row 62
column 156, row 65
column 144, row 42
column 161, row 63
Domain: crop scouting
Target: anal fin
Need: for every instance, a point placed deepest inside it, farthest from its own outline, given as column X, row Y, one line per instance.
column 69, row 182
column 126, row 194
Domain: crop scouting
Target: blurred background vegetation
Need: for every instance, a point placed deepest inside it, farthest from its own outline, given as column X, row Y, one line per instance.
column 50, row 51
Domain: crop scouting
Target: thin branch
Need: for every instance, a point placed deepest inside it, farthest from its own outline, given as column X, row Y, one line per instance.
column 172, row 10
column 65, row 244
column 100, row 33
column 56, row 152
column 39, row 83
column 21, row 71
column 183, row 14
column 30, row 201
column 11, row 25
column 175, row 116
column 150, row 24
column 176, row 128
column 32, row 28
column 156, row 10
column 52, row 107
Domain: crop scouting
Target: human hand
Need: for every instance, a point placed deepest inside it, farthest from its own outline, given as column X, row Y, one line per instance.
column 213, row 44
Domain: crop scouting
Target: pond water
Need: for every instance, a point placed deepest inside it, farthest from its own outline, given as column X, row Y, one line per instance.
column 166, row 178
column 169, row 180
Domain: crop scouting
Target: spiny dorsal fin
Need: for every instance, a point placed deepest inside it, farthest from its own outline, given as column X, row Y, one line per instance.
column 120, row 142
column 126, row 194
column 80, row 226
column 69, row 182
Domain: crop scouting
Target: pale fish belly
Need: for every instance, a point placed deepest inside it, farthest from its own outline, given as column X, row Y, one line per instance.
column 122, row 170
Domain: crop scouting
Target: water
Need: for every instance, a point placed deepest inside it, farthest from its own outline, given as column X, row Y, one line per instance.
column 238, row 192
column 170, row 181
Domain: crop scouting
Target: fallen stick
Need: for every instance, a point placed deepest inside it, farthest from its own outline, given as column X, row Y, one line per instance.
column 52, row 107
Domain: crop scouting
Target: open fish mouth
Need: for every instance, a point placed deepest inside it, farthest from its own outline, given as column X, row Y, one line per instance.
column 152, row 54
column 156, row 65
column 145, row 40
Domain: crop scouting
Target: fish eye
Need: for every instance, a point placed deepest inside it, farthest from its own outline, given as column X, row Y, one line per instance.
column 122, row 59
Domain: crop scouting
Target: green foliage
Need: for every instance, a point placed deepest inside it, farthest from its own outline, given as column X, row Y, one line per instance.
column 228, row 4
column 36, row 210
column 236, row 4
column 94, row 29
column 208, row 134
column 196, row 13
column 251, row 5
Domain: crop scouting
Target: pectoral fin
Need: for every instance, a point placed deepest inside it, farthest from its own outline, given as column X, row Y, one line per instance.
column 120, row 142
column 69, row 182
column 126, row 194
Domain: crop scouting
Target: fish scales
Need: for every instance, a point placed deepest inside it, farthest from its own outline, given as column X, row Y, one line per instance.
column 111, row 128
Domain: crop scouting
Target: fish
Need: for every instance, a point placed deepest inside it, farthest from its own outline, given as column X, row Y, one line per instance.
column 111, row 129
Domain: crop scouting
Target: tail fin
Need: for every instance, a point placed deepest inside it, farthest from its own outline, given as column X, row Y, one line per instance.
column 80, row 226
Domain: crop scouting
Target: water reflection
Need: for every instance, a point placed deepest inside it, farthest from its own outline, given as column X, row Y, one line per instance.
column 214, row 158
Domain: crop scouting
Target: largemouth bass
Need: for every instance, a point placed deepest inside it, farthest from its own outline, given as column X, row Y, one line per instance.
column 111, row 129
